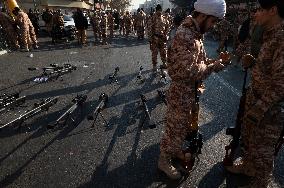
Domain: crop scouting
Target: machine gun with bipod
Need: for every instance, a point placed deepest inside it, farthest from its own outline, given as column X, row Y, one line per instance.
column 113, row 77
column 103, row 100
column 152, row 124
column 38, row 108
column 78, row 102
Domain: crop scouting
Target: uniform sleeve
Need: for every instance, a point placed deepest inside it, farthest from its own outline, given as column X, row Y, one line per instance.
column 186, row 63
column 275, row 91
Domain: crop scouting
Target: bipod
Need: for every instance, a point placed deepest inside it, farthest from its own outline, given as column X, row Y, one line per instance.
column 98, row 111
column 113, row 77
column 78, row 101
column 38, row 108
column 152, row 124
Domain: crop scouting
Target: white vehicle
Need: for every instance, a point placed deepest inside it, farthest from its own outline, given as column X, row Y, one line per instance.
column 68, row 21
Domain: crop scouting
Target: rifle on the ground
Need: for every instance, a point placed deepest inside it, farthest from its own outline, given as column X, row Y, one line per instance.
column 38, row 108
column 152, row 124
column 103, row 100
column 235, row 132
column 55, row 72
column 113, row 77
column 78, row 102
column 12, row 103
column 7, row 98
column 162, row 96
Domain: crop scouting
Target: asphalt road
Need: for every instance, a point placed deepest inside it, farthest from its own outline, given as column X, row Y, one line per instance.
column 124, row 152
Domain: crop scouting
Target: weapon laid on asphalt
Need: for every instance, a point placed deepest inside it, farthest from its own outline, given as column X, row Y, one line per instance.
column 11, row 104
column 56, row 72
column 235, row 132
column 140, row 77
column 38, row 108
column 6, row 98
column 113, row 77
column 162, row 96
column 78, row 102
column 103, row 100
column 152, row 124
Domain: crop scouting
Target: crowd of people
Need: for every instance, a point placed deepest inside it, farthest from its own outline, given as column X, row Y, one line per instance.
column 257, row 38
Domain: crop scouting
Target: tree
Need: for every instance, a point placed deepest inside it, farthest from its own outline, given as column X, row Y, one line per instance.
column 120, row 5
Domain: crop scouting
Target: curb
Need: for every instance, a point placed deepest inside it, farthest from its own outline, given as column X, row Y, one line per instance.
column 3, row 52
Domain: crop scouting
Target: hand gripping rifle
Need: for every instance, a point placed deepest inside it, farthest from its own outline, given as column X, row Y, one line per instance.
column 113, row 77
column 235, row 132
column 38, row 108
column 103, row 100
column 78, row 102
column 152, row 124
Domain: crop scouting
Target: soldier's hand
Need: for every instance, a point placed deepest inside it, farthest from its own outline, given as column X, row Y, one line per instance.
column 225, row 57
column 248, row 61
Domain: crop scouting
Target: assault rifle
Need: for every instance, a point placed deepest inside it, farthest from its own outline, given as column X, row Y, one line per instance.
column 38, row 108
column 78, row 101
column 113, row 77
column 152, row 124
column 12, row 103
column 103, row 100
column 235, row 132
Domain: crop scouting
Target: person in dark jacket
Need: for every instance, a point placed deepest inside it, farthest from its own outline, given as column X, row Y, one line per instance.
column 81, row 24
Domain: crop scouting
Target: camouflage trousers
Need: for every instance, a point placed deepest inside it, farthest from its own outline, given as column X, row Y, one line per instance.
column 111, row 31
column 180, row 99
column 82, row 36
column 140, row 31
column 104, row 34
column 33, row 35
column 97, row 33
column 127, row 30
column 158, row 45
column 12, row 38
column 260, row 141
column 25, row 38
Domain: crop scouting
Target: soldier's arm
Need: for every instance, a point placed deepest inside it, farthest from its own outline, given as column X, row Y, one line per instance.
column 185, row 64
column 275, row 91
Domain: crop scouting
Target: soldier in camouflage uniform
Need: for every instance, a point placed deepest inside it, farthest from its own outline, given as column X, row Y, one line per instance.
column 140, row 24
column 95, row 22
column 7, row 23
column 110, row 21
column 104, row 26
column 128, row 23
column 23, row 21
column 187, row 65
column 33, row 35
column 158, row 31
column 264, row 111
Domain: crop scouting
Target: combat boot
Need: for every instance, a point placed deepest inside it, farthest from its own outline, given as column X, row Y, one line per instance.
column 240, row 167
column 165, row 165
